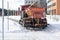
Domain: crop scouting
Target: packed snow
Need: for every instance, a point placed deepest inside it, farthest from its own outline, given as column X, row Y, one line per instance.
column 17, row 32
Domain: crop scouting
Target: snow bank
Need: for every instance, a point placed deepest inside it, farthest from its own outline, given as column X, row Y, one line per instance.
column 12, row 24
column 53, row 19
column 15, row 17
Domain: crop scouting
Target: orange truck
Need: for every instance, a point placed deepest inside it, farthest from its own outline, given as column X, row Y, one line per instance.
column 33, row 17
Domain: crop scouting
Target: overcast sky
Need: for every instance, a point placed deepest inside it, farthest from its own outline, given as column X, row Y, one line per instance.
column 13, row 4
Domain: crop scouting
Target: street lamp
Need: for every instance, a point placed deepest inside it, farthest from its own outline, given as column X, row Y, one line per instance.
column 8, row 14
column 2, row 19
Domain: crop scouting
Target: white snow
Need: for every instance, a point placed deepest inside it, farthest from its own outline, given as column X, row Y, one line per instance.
column 53, row 19
column 15, row 17
column 12, row 24
column 17, row 32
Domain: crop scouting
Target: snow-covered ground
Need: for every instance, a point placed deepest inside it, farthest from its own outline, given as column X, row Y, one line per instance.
column 17, row 32
column 12, row 24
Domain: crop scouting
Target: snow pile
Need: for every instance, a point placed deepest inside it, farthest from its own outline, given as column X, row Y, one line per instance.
column 53, row 19
column 15, row 17
column 12, row 24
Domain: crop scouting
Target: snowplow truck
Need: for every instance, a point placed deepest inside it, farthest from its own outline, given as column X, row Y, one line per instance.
column 34, row 17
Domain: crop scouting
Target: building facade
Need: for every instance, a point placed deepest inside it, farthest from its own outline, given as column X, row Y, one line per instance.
column 53, row 7
column 32, row 1
column 41, row 3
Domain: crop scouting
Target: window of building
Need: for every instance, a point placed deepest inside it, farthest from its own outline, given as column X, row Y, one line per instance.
column 26, row 2
column 49, row 6
column 49, row 1
column 53, row 4
column 49, row 12
column 31, row 1
column 54, row 12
